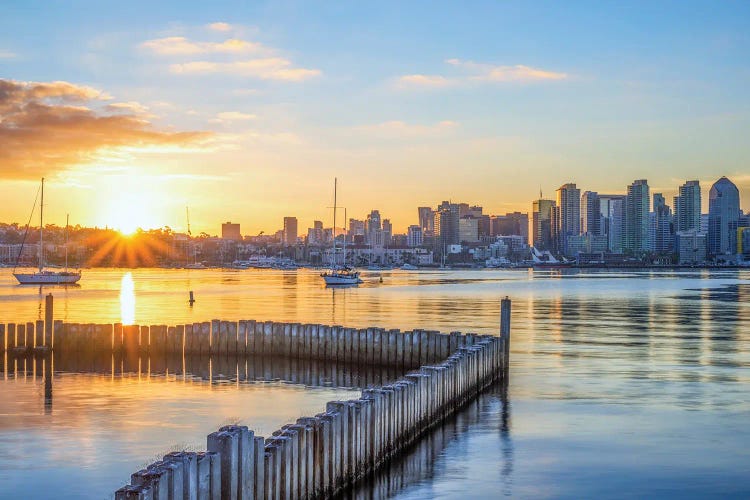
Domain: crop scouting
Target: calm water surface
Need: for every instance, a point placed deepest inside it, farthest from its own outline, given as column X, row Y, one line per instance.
column 622, row 384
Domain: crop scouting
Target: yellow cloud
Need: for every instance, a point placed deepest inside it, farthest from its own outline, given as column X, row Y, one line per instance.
column 179, row 45
column 478, row 73
column 220, row 26
column 270, row 68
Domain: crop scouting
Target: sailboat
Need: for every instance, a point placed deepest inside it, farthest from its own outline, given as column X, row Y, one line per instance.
column 339, row 275
column 43, row 276
column 191, row 247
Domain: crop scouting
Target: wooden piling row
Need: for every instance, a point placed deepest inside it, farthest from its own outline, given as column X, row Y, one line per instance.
column 322, row 456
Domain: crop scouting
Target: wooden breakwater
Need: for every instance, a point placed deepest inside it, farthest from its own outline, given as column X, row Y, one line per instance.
column 324, row 455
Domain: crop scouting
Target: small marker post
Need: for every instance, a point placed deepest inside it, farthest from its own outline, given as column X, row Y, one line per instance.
column 192, row 298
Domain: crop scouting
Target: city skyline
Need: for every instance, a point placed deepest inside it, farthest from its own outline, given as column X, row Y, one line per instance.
column 244, row 113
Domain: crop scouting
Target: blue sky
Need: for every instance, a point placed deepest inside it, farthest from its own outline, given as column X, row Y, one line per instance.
column 408, row 103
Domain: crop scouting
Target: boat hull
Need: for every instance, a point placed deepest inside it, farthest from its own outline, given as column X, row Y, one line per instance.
column 47, row 278
column 333, row 280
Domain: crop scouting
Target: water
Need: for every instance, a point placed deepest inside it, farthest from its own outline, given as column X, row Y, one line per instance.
column 622, row 384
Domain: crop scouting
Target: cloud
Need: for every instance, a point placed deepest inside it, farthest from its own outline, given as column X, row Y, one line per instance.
column 269, row 68
column 232, row 116
column 473, row 73
column 48, row 127
column 219, row 26
column 233, row 56
column 7, row 54
column 399, row 128
column 181, row 46
column 132, row 107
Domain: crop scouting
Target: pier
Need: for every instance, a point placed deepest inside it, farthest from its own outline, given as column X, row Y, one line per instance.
column 433, row 375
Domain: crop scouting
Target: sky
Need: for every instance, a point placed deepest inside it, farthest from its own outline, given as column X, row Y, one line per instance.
column 247, row 111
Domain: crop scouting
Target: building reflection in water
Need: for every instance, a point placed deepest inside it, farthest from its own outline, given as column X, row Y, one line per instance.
column 127, row 300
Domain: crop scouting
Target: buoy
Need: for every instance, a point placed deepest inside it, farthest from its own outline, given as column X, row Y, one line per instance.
column 381, row 279
column 192, row 299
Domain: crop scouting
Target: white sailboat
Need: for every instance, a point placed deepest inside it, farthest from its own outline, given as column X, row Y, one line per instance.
column 43, row 276
column 339, row 275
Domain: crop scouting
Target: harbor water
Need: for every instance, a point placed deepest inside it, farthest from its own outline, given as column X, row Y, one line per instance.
column 623, row 383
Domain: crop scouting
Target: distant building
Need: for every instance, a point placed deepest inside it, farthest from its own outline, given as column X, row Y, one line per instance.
column 315, row 234
column 743, row 243
column 446, row 225
column 541, row 223
column 426, row 219
column 690, row 247
column 723, row 217
column 414, row 236
column 613, row 220
column 568, row 220
column 660, row 237
column 591, row 213
column 290, row 231
column 515, row 223
column 357, row 230
column 637, row 205
column 387, row 231
column 468, row 229
column 687, row 207
column 374, row 228
column 230, row 231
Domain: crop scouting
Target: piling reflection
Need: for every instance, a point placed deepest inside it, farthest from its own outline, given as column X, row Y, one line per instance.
column 420, row 463
column 216, row 369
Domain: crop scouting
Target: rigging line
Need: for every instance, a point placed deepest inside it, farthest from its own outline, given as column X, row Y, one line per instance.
column 26, row 233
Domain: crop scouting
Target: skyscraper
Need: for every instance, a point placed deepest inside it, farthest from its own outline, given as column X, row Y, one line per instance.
column 637, row 208
column 290, row 231
column 613, row 222
column 446, row 224
column 687, row 207
column 591, row 213
column 723, row 217
column 541, row 223
column 569, row 221
column 426, row 218
column 230, row 231
column 660, row 237
column 373, row 228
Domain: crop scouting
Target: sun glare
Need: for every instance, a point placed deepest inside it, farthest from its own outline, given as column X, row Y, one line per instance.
column 129, row 211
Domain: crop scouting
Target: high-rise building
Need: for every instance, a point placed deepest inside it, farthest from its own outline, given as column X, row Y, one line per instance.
column 485, row 226
column 446, row 224
column 468, row 229
column 230, row 231
column 387, row 231
column 568, row 222
column 591, row 213
column 613, row 222
column 723, row 217
column 373, row 226
column 513, row 223
column 290, row 231
column 315, row 234
column 414, row 236
column 426, row 218
column 637, row 208
column 541, row 224
column 660, row 237
column 687, row 207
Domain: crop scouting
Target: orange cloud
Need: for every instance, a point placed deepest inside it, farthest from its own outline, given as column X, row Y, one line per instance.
column 48, row 127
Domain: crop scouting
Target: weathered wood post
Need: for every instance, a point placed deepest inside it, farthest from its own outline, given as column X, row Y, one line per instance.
column 48, row 322
column 505, row 334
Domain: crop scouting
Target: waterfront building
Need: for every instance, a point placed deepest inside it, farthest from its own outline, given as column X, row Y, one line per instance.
column 541, row 223
column 426, row 219
column 586, row 243
column 661, row 222
column 591, row 213
column 446, row 224
column 468, row 229
column 723, row 217
column 743, row 243
column 613, row 223
column 687, row 207
column 414, row 236
column 568, row 220
column 485, row 227
column 290, row 231
column 690, row 247
column 637, row 208
column 230, row 231
column 512, row 223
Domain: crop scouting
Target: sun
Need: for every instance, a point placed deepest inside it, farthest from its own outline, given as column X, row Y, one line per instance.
column 129, row 211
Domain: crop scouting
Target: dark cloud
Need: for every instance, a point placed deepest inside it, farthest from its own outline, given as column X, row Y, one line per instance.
column 49, row 127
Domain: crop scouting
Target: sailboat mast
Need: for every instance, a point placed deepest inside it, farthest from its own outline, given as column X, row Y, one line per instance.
column 344, row 237
column 67, row 223
column 335, row 188
column 41, row 230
